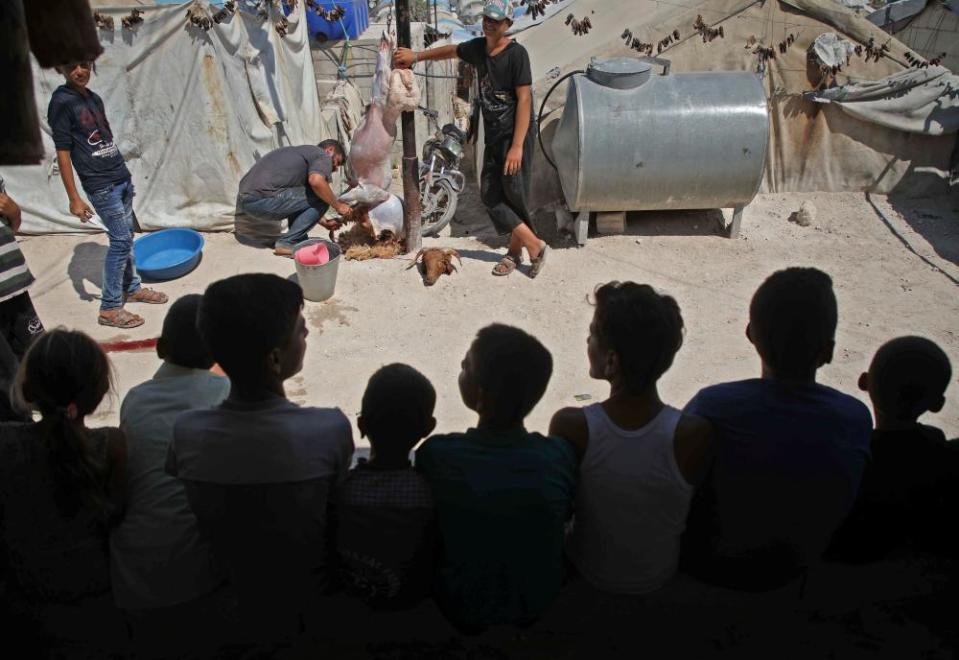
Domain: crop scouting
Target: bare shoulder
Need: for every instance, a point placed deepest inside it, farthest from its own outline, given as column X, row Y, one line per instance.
column 692, row 445
column 570, row 424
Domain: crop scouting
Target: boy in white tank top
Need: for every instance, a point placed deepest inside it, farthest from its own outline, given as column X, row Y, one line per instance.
column 639, row 458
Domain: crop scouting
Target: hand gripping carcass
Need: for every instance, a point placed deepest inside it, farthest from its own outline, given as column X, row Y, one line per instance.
column 394, row 92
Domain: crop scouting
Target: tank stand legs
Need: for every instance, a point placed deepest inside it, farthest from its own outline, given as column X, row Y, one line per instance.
column 581, row 227
column 732, row 229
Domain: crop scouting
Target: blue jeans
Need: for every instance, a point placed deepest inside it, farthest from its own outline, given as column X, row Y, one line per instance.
column 114, row 205
column 300, row 206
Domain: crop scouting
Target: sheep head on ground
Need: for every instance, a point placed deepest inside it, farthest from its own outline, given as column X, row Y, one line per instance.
column 436, row 262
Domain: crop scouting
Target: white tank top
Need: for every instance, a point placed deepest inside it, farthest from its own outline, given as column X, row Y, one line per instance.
column 631, row 504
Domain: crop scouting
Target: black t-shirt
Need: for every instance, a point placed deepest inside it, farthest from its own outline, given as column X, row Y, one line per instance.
column 79, row 125
column 908, row 494
column 498, row 76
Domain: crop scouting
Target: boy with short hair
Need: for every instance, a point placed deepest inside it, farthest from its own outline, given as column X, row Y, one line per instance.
column 84, row 140
column 640, row 457
column 503, row 494
column 789, row 452
column 385, row 520
column 259, row 469
column 161, row 570
column 909, row 489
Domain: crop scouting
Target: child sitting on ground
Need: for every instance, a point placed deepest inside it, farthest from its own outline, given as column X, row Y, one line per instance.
column 385, row 522
column 640, row 457
column 909, row 488
column 60, row 490
column 788, row 452
column 259, row 470
column 503, row 494
column 163, row 574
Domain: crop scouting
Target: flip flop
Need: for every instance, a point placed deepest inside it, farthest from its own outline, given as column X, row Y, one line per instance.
column 539, row 262
column 507, row 265
column 122, row 319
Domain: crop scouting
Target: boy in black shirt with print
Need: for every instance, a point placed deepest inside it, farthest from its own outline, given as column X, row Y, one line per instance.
column 84, row 141
column 506, row 97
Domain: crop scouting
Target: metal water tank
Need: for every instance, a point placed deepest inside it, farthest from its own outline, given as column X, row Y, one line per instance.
column 631, row 139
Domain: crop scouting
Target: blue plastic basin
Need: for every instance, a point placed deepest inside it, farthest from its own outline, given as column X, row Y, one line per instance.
column 168, row 254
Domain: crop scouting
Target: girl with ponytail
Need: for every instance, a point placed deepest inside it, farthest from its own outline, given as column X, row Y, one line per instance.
column 59, row 484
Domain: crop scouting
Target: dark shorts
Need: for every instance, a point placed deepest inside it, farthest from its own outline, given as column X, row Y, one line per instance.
column 505, row 196
column 19, row 327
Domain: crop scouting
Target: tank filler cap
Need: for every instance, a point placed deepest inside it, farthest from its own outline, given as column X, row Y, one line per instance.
column 618, row 72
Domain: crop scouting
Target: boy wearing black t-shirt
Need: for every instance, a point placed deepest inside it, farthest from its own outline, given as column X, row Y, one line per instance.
column 85, row 142
column 505, row 83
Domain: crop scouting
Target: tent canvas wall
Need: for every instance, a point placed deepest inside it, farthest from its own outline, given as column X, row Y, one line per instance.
column 192, row 111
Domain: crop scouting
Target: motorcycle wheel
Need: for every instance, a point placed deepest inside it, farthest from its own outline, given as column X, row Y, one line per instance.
column 440, row 209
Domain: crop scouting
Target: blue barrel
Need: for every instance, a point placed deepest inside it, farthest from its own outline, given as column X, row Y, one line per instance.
column 352, row 25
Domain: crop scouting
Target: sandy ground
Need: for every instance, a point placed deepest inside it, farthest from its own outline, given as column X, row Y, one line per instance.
column 890, row 279
column 895, row 265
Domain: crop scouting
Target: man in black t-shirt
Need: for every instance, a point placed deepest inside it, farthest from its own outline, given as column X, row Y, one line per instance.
column 505, row 95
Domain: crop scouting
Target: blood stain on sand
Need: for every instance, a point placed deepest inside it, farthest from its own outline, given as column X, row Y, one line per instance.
column 330, row 311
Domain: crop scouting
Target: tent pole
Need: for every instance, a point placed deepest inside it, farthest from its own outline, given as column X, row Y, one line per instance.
column 411, row 188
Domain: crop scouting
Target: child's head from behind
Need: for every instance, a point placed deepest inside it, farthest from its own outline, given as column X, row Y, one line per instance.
column 180, row 341
column 908, row 376
column 792, row 322
column 504, row 375
column 634, row 336
column 397, row 411
column 254, row 329
column 64, row 372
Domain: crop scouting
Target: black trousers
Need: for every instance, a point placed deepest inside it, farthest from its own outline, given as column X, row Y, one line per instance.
column 505, row 195
column 19, row 327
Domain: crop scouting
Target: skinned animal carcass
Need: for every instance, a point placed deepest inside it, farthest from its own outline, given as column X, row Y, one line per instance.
column 394, row 92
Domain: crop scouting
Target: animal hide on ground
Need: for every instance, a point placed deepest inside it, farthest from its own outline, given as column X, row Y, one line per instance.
column 358, row 245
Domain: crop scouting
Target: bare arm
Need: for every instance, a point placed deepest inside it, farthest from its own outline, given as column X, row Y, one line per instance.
column 692, row 447
column 10, row 211
column 404, row 58
column 570, row 424
column 524, row 106
column 78, row 207
column 322, row 189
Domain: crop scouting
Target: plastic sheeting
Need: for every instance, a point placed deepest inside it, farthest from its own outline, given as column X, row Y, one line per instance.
column 191, row 110
column 915, row 100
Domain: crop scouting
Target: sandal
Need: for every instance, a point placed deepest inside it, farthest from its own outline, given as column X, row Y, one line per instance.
column 507, row 264
column 145, row 295
column 538, row 262
column 121, row 319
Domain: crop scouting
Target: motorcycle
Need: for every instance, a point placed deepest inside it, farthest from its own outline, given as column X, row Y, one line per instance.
column 440, row 180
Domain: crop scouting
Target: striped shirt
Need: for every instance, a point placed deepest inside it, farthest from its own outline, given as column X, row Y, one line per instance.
column 15, row 277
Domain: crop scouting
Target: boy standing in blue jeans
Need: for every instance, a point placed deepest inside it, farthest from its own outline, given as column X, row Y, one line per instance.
column 503, row 495
column 84, row 140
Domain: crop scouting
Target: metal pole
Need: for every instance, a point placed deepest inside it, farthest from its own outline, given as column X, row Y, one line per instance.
column 411, row 187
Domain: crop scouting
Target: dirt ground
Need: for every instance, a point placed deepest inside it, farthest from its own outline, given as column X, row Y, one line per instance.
column 895, row 265
column 894, row 273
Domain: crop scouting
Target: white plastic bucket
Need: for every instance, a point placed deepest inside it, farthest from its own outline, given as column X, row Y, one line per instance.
column 318, row 282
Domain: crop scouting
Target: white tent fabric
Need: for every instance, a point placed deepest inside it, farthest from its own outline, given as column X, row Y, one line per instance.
column 191, row 110
column 915, row 100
